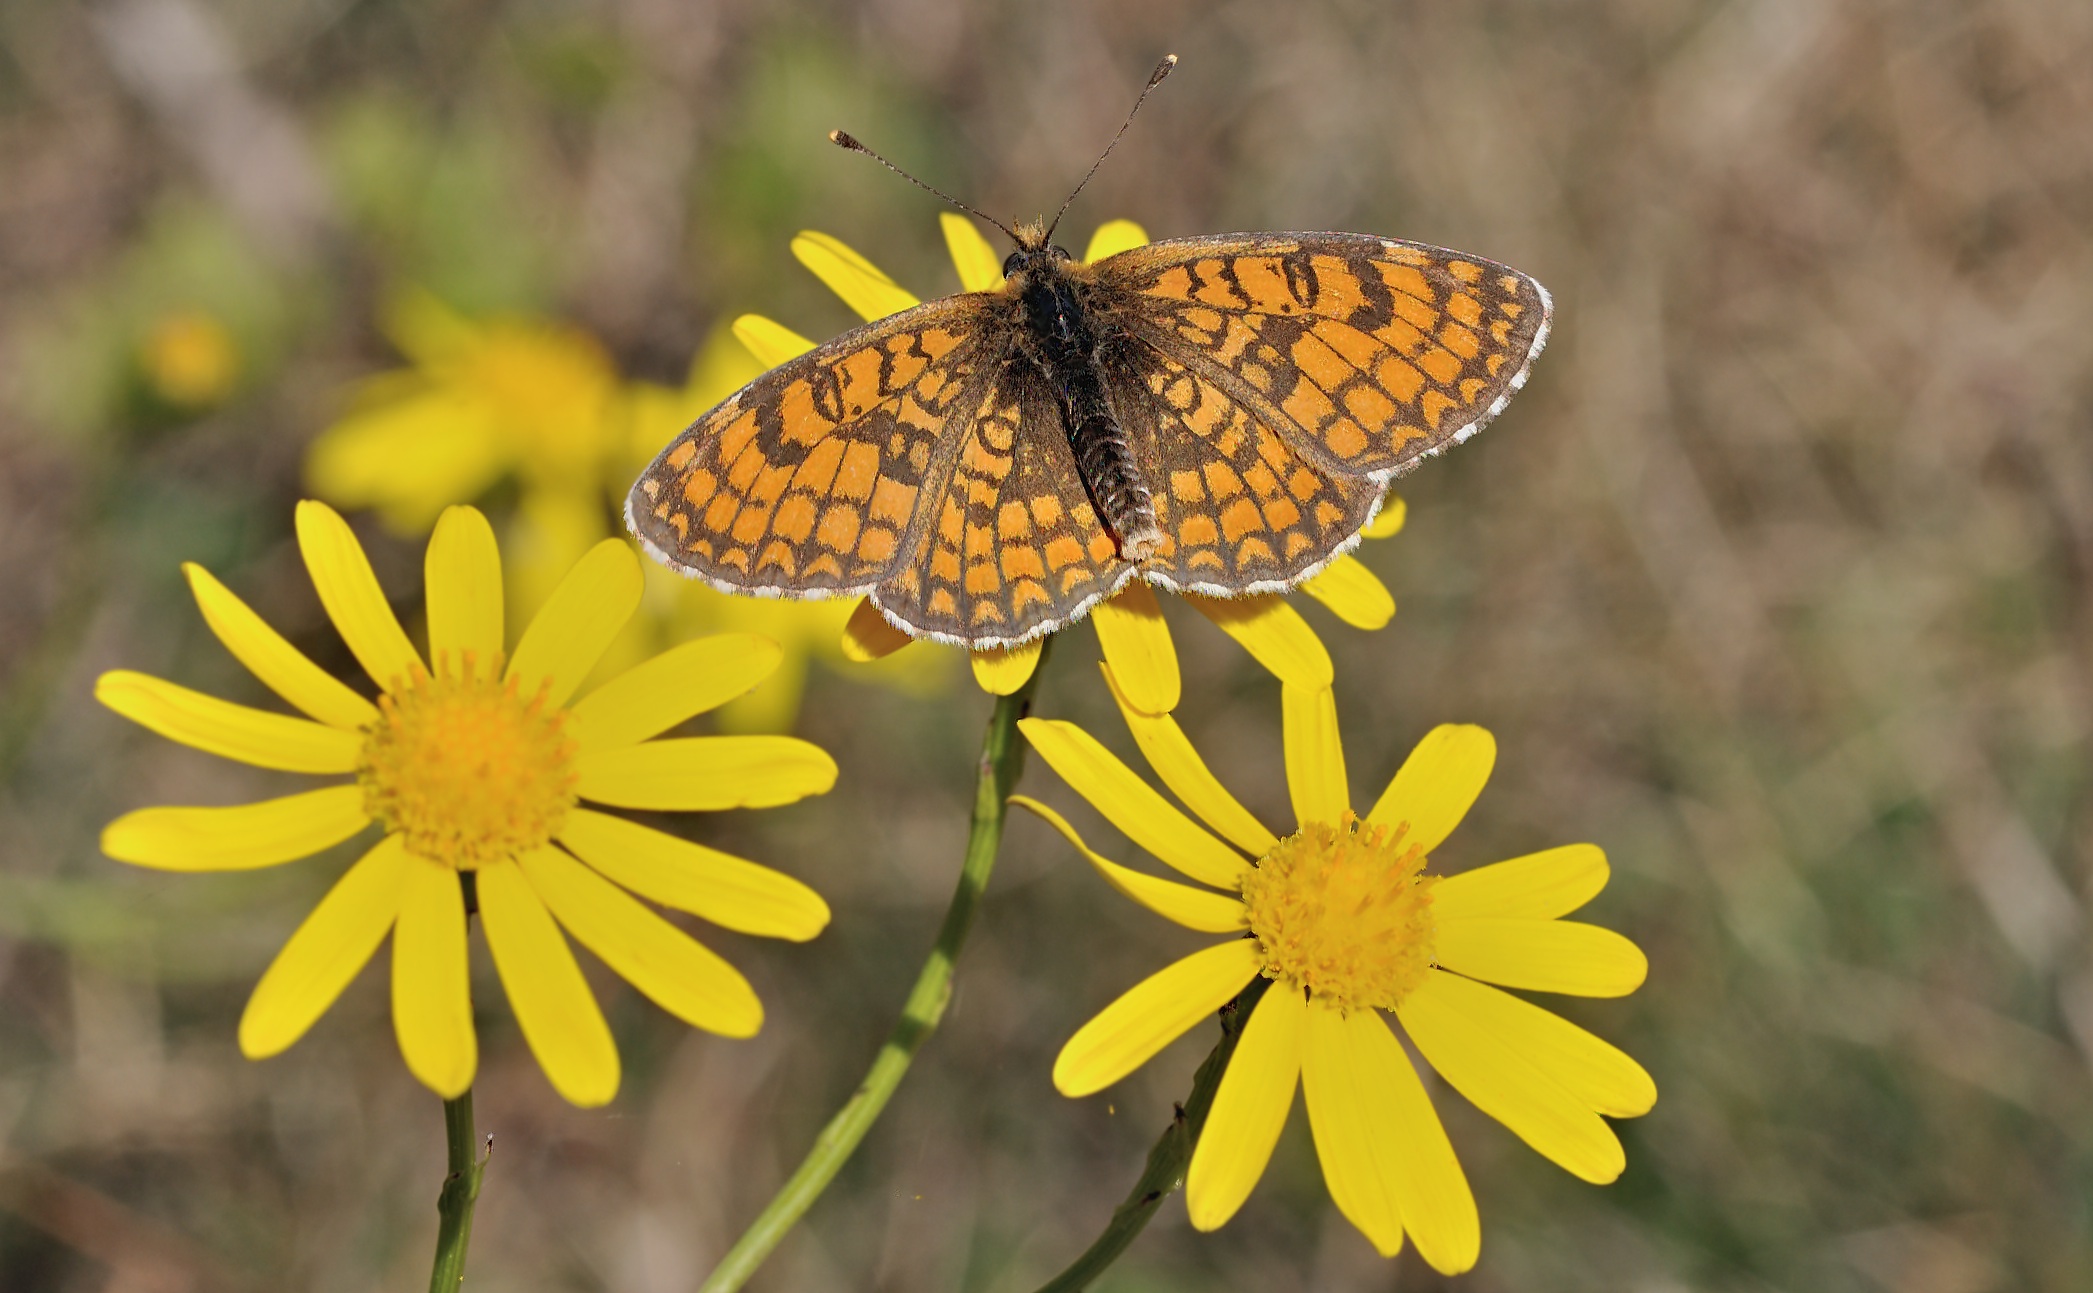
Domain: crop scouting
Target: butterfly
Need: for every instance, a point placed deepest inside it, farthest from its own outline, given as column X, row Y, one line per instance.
column 1217, row 415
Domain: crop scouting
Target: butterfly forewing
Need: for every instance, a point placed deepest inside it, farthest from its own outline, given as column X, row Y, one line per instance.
column 813, row 480
column 1365, row 353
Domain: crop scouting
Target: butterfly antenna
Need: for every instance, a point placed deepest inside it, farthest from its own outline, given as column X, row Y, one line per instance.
column 850, row 142
column 1155, row 79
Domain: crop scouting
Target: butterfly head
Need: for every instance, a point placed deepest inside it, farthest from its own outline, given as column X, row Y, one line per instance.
column 1034, row 252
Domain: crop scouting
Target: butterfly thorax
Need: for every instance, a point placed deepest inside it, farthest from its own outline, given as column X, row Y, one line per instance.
column 1060, row 339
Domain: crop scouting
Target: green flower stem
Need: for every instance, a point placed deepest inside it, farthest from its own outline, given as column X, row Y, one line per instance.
column 461, row 1190
column 1170, row 1157
column 1002, row 759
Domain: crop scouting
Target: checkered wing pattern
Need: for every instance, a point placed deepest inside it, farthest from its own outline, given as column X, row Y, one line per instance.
column 1242, row 509
column 819, row 478
column 1014, row 545
column 1268, row 385
column 1364, row 354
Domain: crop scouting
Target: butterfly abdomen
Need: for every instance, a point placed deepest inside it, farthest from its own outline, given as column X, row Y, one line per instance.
column 1060, row 340
column 1123, row 500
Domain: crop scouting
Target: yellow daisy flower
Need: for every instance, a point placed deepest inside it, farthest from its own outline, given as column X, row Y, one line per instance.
column 1343, row 920
column 478, row 766
column 1130, row 625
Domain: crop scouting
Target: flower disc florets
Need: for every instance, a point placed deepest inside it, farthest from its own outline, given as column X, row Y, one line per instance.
column 1345, row 912
column 466, row 769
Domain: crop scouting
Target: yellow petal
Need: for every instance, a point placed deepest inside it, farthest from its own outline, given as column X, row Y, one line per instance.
column 920, row 674
column 1377, row 1133
column 425, row 328
column 1129, row 803
column 677, row 973
column 722, row 366
column 1002, row 671
column 1315, row 776
column 1152, row 1014
column 1353, row 593
column 570, row 633
column 1209, row 913
column 329, row 948
column 462, row 572
column 237, row 839
column 771, row 342
column 431, row 988
column 1273, row 633
column 705, row 772
column 1504, row 1084
column 772, row 707
column 1357, row 1137
column 1113, row 237
column 223, row 728
column 1249, row 1110
column 863, row 286
column 1136, row 644
column 554, row 1008
column 870, row 636
column 1438, row 783
column 724, row 889
column 1539, row 886
column 349, row 590
column 1597, row 1073
column 980, row 269
column 282, row 667
column 409, row 457
column 551, row 528
column 1542, row 955
column 1170, row 753
column 653, row 697
column 1389, row 520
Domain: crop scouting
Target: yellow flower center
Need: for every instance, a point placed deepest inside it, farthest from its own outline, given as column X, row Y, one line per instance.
column 1345, row 912
column 465, row 768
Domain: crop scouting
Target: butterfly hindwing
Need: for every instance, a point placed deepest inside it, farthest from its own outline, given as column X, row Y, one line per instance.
column 1365, row 353
column 1014, row 545
column 1242, row 509
column 816, row 479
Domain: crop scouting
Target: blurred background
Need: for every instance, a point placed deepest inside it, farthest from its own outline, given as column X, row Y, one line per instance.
column 1773, row 583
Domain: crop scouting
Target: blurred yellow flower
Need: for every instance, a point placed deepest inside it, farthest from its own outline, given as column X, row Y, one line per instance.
column 1130, row 625
column 477, row 766
column 486, row 400
column 1343, row 920
column 189, row 360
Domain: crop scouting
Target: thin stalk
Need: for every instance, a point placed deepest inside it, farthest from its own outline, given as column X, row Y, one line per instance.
column 1167, row 1161
column 1002, row 760
column 461, row 1190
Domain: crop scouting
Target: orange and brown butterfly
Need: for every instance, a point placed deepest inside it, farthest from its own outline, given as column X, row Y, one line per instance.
column 1216, row 415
